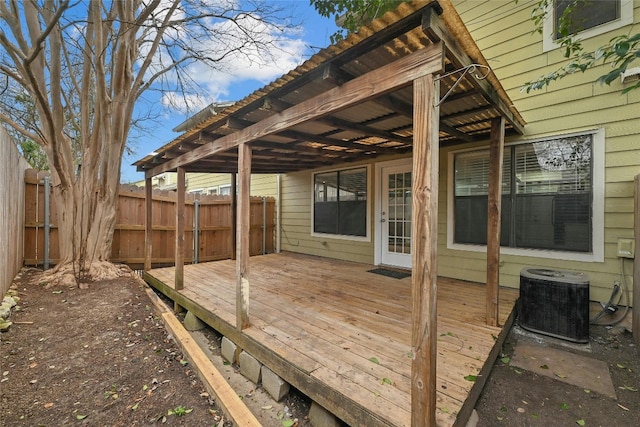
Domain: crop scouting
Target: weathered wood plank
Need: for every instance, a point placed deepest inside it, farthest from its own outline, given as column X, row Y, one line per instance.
column 424, row 258
column 494, row 206
column 148, row 224
column 242, row 240
column 312, row 315
column 179, row 234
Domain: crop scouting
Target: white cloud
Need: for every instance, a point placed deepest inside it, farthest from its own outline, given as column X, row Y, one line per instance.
column 250, row 67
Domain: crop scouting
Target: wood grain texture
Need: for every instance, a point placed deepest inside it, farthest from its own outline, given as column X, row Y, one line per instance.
column 179, row 234
column 243, row 224
column 494, row 207
column 148, row 224
column 424, row 182
column 318, row 323
column 378, row 82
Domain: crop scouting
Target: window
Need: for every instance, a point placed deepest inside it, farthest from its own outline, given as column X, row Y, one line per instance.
column 225, row 190
column 547, row 195
column 589, row 19
column 213, row 191
column 340, row 202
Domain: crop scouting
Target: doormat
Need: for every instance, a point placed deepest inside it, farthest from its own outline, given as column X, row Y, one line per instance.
column 396, row 274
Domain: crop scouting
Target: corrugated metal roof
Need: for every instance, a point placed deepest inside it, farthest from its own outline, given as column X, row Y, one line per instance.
column 375, row 127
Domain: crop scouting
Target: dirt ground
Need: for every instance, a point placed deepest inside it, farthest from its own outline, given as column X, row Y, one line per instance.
column 101, row 357
column 518, row 397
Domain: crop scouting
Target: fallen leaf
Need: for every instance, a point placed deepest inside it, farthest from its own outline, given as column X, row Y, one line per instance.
column 374, row 360
column 564, row 406
column 287, row 423
column 580, row 422
column 560, row 375
column 621, row 366
column 134, row 407
column 386, row 381
column 520, row 410
column 629, row 388
column 81, row 417
column 544, row 366
column 266, row 408
column 471, row 378
column 505, row 360
column 48, row 405
column 33, row 365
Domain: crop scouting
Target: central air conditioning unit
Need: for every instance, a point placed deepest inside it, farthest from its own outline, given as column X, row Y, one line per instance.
column 555, row 303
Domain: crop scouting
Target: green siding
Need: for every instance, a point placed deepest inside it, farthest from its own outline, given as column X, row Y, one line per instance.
column 503, row 31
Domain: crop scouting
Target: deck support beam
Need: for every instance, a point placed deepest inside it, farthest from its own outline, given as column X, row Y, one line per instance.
column 148, row 223
column 242, row 239
column 494, row 207
column 234, row 215
column 426, row 93
column 179, row 255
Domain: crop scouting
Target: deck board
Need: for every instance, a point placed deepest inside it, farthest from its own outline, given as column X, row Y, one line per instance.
column 319, row 323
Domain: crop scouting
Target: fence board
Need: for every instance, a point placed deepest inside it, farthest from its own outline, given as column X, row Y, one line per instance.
column 215, row 239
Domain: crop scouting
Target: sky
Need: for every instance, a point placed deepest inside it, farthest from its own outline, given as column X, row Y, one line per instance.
column 240, row 79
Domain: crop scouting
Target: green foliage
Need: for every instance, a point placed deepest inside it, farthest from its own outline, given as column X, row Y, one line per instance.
column 352, row 14
column 620, row 52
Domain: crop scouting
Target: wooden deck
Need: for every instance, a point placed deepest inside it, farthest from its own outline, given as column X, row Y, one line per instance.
column 341, row 335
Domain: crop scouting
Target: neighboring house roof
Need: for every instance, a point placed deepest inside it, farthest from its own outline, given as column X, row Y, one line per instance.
column 378, row 126
column 202, row 116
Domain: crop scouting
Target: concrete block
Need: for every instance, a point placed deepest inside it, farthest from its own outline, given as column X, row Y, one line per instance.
column 320, row 417
column 274, row 385
column 228, row 350
column 192, row 323
column 250, row 367
column 473, row 419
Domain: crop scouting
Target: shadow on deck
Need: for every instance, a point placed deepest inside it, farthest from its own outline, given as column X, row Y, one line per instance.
column 341, row 334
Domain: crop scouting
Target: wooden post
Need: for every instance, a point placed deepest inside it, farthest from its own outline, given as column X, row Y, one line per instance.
column 242, row 239
column 494, row 207
column 234, row 215
column 426, row 94
column 148, row 226
column 179, row 255
column 635, row 320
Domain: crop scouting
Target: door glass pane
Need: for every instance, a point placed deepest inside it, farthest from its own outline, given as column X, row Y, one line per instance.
column 399, row 216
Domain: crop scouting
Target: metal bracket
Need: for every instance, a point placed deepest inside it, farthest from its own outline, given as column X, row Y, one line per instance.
column 469, row 69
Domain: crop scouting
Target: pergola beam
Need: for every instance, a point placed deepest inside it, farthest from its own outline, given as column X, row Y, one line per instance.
column 375, row 83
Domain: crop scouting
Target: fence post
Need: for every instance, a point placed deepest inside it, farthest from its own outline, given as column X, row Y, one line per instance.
column 47, row 222
column 196, row 231
column 264, row 225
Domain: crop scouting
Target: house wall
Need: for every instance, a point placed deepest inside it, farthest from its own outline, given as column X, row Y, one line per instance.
column 296, row 206
column 261, row 185
column 503, row 31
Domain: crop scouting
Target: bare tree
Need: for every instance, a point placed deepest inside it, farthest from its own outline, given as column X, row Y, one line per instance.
column 85, row 64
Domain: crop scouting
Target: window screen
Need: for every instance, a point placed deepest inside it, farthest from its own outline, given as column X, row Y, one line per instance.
column 583, row 15
column 546, row 195
column 340, row 202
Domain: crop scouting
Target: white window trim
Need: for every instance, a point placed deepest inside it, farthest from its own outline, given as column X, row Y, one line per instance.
column 548, row 43
column 597, row 221
column 377, row 256
column 366, row 238
column 224, row 187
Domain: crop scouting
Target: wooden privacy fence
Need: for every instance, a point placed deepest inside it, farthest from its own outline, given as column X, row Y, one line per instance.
column 208, row 225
